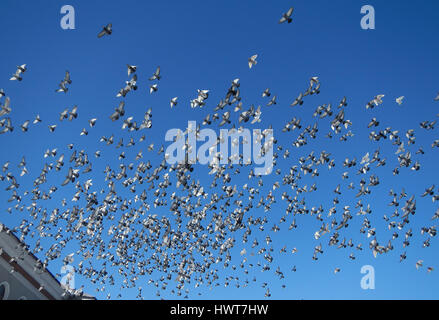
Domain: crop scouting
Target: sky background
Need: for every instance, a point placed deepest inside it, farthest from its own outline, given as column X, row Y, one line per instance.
column 205, row 45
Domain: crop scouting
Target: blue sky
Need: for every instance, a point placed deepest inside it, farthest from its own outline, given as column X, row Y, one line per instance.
column 205, row 45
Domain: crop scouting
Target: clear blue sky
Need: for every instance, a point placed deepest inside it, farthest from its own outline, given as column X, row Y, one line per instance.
column 205, row 45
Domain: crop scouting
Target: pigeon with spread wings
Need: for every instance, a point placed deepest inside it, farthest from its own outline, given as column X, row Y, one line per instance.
column 106, row 30
column 287, row 16
column 252, row 61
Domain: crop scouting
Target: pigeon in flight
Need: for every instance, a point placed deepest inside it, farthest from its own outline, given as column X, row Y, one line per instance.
column 92, row 122
column 25, row 126
column 437, row 97
column 5, row 108
column 173, row 102
column 272, row 101
column 252, row 61
column 22, row 68
column 73, row 114
column 62, row 88
column 266, row 93
column 287, row 16
column 63, row 84
column 131, row 69
column 130, row 85
column 153, row 88
column 106, row 30
column 156, row 75
column 67, row 78
column 37, row 119
column 399, row 100
column 298, row 101
column 377, row 100
column 17, row 75
column 118, row 112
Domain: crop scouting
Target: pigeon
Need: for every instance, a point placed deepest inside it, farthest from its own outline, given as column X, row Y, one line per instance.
column 67, row 78
column 37, row 119
column 22, row 68
column 272, row 101
column 25, row 126
column 298, row 101
column 118, row 112
column 62, row 87
column 287, row 16
column 266, row 93
column 92, row 122
column 17, row 75
column 153, row 88
column 156, row 75
column 252, row 61
column 73, row 114
column 377, row 100
column 173, row 102
column 6, row 107
column 106, row 30
column 131, row 69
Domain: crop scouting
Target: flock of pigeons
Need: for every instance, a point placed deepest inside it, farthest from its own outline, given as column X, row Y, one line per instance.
column 158, row 219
